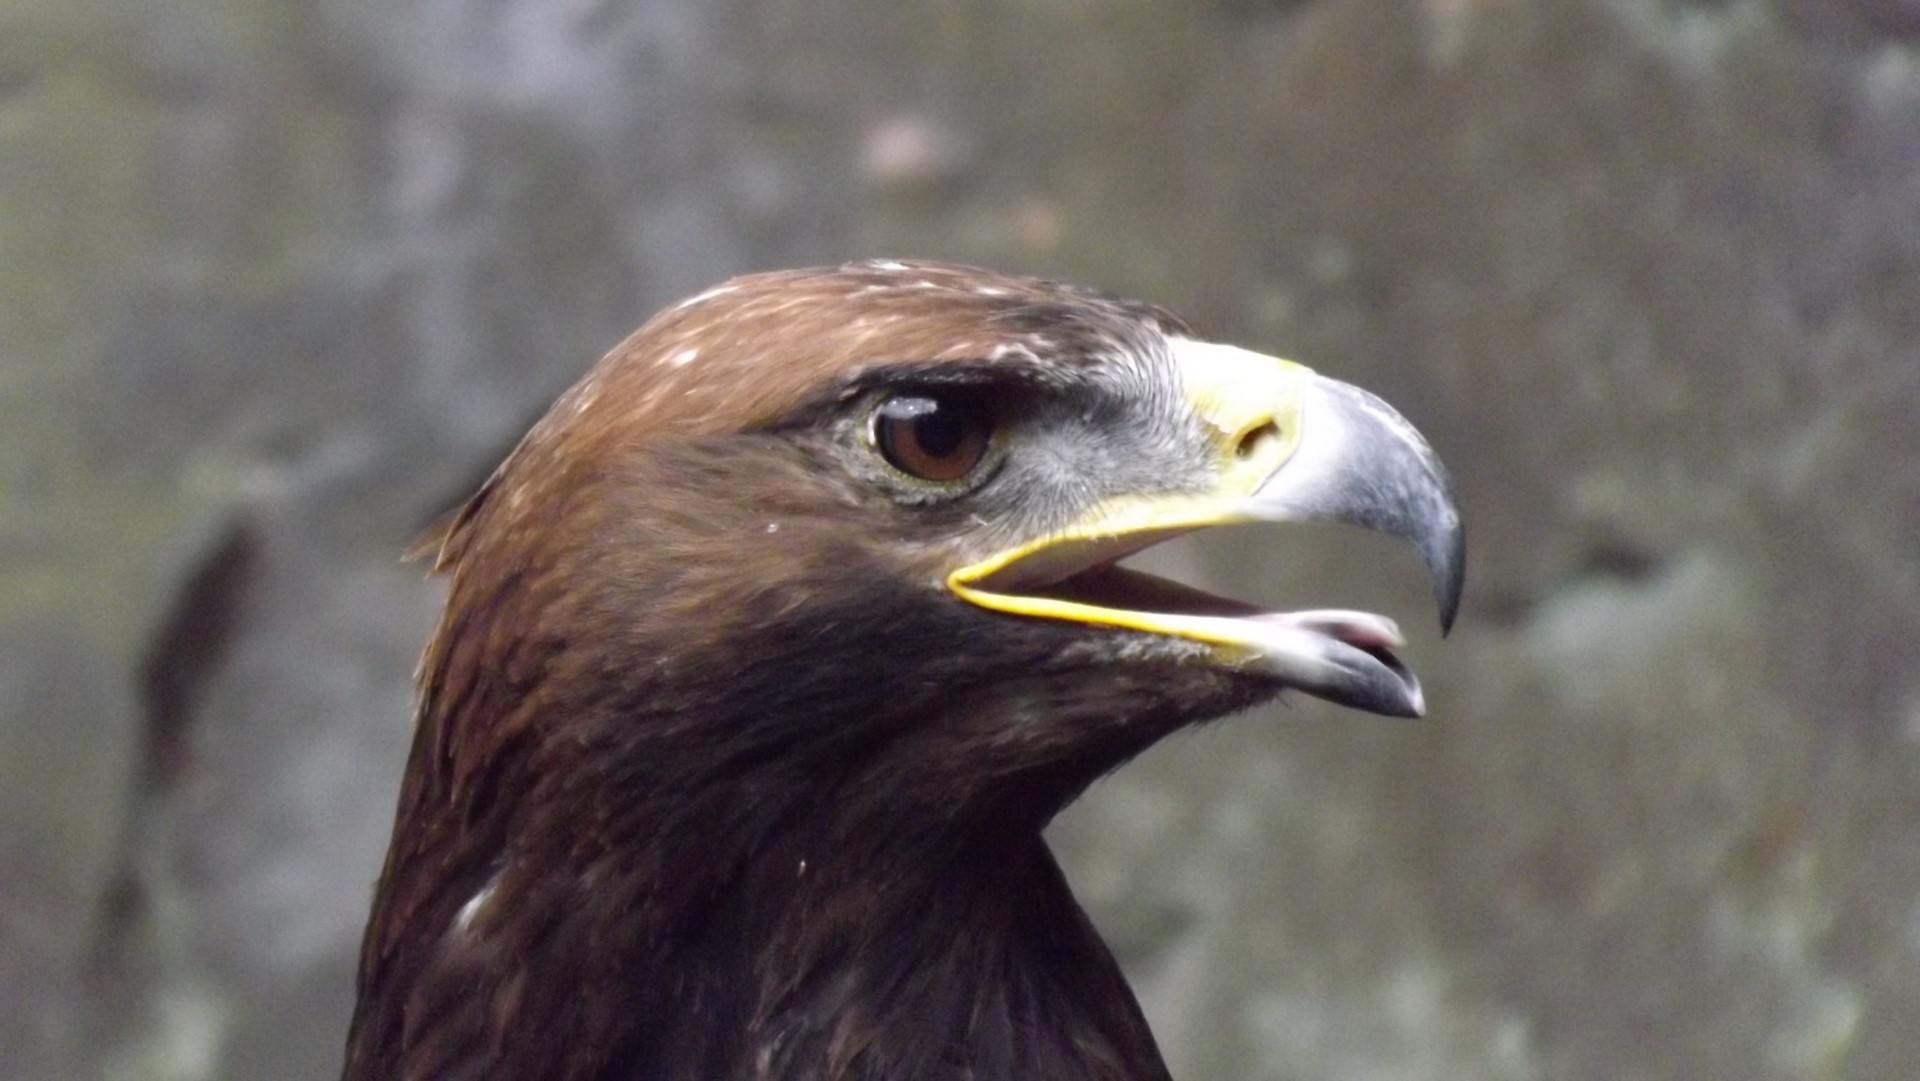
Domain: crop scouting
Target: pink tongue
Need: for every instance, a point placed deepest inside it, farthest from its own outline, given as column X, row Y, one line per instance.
column 1362, row 630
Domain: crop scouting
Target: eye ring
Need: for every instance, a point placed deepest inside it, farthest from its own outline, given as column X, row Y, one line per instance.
column 932, row 437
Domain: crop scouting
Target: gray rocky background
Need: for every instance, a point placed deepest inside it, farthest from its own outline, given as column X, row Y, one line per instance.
column 281, row 279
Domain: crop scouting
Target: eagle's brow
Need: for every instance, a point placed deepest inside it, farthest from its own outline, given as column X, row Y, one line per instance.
column 988, row 376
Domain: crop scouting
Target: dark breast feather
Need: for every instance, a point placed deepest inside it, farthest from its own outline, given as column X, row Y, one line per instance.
column 669, row 813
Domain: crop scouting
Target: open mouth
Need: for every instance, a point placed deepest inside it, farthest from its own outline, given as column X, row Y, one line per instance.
column 1343, row 656
column 1286, row 445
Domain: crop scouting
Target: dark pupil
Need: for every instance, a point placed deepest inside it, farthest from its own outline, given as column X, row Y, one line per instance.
column 940, row 431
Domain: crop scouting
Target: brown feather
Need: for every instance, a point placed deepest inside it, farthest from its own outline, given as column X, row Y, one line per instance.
column 711, row 779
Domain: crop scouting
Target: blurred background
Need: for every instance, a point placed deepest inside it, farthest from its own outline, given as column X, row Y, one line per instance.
column 280, row 280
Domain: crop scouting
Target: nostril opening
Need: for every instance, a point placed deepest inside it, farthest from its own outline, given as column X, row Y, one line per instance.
column 1254, row 438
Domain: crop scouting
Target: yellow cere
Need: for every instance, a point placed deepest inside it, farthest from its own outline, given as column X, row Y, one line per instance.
column 1237, row 392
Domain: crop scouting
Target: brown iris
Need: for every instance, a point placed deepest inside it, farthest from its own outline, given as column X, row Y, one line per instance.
column 932, row 437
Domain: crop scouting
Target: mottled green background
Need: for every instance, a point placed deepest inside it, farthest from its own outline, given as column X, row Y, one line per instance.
column 279, row 280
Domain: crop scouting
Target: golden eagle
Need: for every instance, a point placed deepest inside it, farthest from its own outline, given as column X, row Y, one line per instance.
column 772, row 648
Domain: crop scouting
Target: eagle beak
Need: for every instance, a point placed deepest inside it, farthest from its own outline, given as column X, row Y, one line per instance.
column 1360, row 462
column 1289, row 445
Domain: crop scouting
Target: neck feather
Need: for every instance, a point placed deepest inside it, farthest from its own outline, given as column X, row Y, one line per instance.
column 586, row 931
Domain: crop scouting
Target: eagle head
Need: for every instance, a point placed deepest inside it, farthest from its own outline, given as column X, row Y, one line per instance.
column 770, row 650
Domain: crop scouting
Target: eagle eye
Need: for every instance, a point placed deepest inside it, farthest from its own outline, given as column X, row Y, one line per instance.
column 932, row 437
